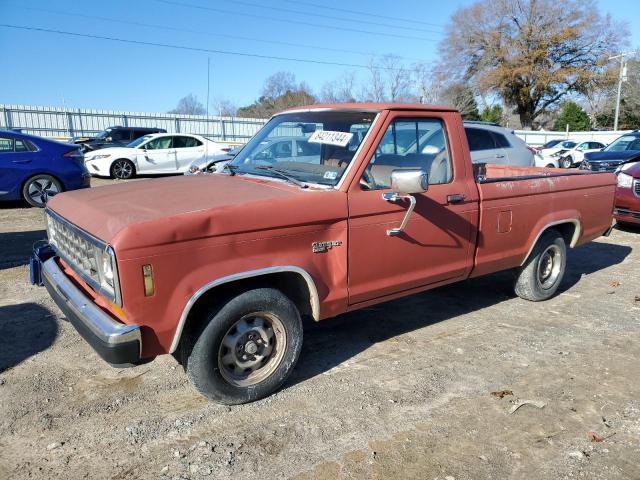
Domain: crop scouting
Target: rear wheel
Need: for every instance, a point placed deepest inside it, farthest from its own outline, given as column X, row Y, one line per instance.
column 540, row 276
column 39, row 188
column 122, row 169
column 246, row 349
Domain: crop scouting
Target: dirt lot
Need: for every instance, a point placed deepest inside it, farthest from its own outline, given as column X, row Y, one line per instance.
column 401, row 390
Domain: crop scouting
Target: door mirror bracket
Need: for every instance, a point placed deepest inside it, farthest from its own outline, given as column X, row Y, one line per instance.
column 404, row 183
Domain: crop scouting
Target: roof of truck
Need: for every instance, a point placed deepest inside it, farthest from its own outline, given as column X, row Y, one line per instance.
column 376, row 107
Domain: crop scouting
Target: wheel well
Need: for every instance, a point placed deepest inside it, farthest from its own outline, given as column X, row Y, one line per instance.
column 291, row 284
column 569, row 230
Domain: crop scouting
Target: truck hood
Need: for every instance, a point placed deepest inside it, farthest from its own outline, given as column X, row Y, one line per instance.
column 168, row 210
column 605, row 156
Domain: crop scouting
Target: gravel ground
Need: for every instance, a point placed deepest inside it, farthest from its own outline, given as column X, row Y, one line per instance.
column 401, row 390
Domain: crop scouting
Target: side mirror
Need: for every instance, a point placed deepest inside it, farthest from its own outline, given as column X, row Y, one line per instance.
column 410, row 181
column 403, row 184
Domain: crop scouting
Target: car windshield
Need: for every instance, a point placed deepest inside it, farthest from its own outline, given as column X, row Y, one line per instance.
column 311, row 147
column 567, row 144
column 103, row 134
column 139, row 141
column 551, row 143
column 626, row 142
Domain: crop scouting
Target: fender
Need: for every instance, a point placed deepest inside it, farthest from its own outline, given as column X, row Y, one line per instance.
column 313, row 293
column 574, row 239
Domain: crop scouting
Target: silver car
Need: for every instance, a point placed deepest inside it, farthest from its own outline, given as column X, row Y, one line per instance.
column 491, row 143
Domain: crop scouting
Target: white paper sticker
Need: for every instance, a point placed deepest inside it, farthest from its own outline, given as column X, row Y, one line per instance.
column 339, row 139
column 330, row 175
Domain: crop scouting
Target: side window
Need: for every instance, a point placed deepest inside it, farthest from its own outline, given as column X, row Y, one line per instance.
column 6, row 145
column 479, row 139
column 306, row 149
column 21, row 146
column 282, row 149
column 595, row 145
column 501, row 140
column 186, row 142
column 120, row 135
column 159, row 143
column 415, row 143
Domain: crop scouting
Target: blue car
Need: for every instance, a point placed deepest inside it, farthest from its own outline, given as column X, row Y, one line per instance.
column 623, row 149
column 35, row 168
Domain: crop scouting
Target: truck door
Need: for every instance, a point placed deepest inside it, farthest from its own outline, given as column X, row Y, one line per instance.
column 437, row 243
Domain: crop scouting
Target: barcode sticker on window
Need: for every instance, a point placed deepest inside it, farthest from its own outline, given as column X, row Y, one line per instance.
column 328, row 137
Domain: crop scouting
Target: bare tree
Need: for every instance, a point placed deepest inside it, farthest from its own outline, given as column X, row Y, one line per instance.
column 340, row 90
column 189, row 105
column 530, row 52
column 224, row 107
column 375, row 89
column 279, row 84
column 428, row 84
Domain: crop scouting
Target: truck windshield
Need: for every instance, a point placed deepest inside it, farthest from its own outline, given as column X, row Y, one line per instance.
column 626, row 142
column 312, row 147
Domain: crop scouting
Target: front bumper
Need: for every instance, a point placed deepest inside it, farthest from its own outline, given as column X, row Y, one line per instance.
column 115, row 342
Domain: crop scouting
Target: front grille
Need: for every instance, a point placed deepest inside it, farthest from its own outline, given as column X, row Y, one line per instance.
column 75, row 246
column 636, row 187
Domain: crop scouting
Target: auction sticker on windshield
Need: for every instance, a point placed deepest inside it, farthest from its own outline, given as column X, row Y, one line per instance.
column 329, row 137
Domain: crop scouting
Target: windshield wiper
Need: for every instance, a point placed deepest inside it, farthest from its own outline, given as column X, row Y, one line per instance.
column 282, row 174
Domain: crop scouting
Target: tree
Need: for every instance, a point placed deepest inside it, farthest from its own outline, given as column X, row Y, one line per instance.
column 629, row 101
column 492, row 114
column 573, row 115
column 279, row 93
column 224, row 107
column 530, row 52
column 189, row 105
column 339, row 90
column 389, row 80
column 463, row 99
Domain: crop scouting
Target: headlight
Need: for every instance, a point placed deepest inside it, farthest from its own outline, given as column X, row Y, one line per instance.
column 98, row 157
column 107, row 271
column 624, row 180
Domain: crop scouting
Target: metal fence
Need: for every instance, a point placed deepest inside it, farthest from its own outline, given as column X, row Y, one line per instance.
column 73, row 122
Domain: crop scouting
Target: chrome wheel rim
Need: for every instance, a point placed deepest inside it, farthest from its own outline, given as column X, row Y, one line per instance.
column 549, row 267
column 252, row 349
column 41, row 189
column 122, row 169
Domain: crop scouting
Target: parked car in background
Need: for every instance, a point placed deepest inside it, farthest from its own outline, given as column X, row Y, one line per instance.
column 35, row 168
column 491, row 143
column 160, row 153
column 212, row 164
column 114, row 137
column 551, row 155
column 623, row 150
column 574, row 156
column 627, row 203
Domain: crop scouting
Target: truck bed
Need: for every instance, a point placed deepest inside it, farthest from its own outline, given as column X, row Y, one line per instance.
column 517, row 203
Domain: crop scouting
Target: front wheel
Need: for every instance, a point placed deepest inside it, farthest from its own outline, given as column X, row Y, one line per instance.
column 566, row 162
column 39, row 188
column 122, row 169
column 247, row 348
column 540, row 276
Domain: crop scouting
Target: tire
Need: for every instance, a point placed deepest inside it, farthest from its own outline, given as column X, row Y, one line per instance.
column 551, row 165
column 39, row 188
column 541, row 275
column 261, row 326
column 566, row 162
column 122, row 169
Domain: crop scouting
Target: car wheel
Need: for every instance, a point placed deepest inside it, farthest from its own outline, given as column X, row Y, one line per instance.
column 246, row 349
column 37, row 190
column 566, row 162
column 551, row 165
column 122, row 169
column 540, row 276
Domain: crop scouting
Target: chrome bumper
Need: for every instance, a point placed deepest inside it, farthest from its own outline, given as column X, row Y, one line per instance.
column 116, row 343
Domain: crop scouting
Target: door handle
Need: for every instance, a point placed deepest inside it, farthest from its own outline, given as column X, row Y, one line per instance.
column 21, row 161
column 499, row 155
column 395, row 197
column 455, row 198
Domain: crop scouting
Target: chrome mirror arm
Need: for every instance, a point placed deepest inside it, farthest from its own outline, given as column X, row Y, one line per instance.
column 395, row 197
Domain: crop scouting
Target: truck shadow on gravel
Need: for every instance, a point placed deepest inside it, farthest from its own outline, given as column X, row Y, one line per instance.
column 25, row 330
column 331, row 342
column 17, row 246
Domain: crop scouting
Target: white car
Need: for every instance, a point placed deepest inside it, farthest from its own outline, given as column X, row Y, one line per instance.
column 566, row 153
column 160, row 153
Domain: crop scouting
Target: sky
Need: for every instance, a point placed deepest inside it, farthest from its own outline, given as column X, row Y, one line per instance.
column 53, row 69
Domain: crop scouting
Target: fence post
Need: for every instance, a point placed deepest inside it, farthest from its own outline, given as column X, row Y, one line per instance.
column 125, row 120
column 7, row 118
column 177, row 125
column 69, row 123
column 224, row 130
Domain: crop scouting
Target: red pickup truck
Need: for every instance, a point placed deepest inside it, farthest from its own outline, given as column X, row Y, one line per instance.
column 359, row 204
